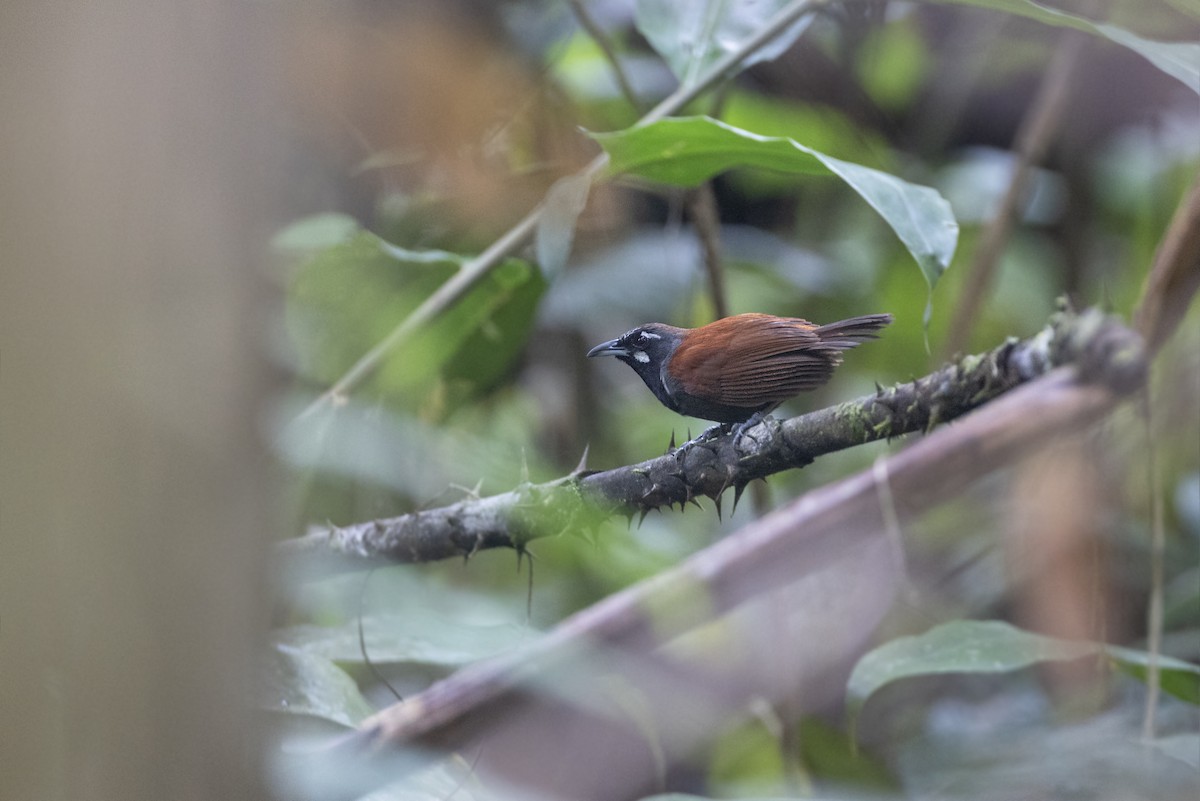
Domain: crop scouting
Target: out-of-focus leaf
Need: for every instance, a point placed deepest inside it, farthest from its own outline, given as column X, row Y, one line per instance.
column 423, row 639
column 597, row 294
column 997, row 749
column 992, row 646
column 349, row 296
column 556, row 227
column 297, row 682
column 1184, row 747
column 1180, row 679
column 894, row 64
column 315, row 233
column 1180, row 60
column 1187, row 6
column 693, row 36
column 688, row 151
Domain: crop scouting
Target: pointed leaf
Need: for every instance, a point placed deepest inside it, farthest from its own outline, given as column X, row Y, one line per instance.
column 992, row 646
column 693, row 36
column 1180, row 60
column 688, row 151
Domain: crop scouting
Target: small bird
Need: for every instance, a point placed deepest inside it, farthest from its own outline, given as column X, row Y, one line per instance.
column 738, row 369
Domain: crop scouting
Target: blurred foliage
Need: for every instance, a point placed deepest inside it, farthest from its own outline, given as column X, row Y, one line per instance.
column 496, row 390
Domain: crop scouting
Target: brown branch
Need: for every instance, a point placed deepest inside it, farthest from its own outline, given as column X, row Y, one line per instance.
column 1175, row 277
column 1101, row 348
column 702, row 208
column 1033, row 140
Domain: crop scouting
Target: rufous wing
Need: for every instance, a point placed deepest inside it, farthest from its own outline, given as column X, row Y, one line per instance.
column 752, row 360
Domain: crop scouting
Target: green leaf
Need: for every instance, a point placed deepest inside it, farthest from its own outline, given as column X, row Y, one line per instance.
column 688, row 151
column 1180, row 679
column 693, row 36
column 349, row 295
column 1184, row 747
column 296, row 682
column 315, row 233
column 1180, row 60
column 992, row 646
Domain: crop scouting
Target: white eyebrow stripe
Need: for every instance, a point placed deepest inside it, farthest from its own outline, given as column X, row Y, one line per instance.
column 648, row 335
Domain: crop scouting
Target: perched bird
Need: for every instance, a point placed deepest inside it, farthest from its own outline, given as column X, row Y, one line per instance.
column 737, row 369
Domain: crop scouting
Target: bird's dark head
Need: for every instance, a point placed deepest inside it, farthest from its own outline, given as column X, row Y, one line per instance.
column 647, row 346
column 647, row 349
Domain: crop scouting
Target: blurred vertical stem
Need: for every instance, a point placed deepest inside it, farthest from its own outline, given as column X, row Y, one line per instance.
column 1168, row 292
column 1154, row 615
column 1033, row 140
column 475, row 269
column 1175, row 276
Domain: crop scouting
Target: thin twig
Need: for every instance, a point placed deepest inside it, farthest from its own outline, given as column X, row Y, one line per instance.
column 1175, row 277
column 475, row 269
column 610, row 53
column 1033, row 140
column 702, row 208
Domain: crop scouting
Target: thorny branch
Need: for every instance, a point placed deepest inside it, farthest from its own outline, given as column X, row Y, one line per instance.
column 1102, row 350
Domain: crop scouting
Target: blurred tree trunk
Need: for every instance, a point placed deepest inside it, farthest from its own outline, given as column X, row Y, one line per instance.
column 136, row 176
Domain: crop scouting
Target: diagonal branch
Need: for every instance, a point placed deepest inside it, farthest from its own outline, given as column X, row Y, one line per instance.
column 1099, row 347
column 1174, row 278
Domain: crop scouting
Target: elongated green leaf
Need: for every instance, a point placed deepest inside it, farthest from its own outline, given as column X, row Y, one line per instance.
column 1180, row 60
column 1180, row 679
column 991, row 646
column 688, row 151
column 693, row 36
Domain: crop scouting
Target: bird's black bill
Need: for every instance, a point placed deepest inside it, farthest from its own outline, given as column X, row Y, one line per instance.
column 610, row 348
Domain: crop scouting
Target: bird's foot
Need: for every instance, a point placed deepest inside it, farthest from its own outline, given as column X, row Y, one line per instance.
column 707, row 435
column 739, row 430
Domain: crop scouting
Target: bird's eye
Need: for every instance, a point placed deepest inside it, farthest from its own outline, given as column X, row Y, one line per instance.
column 640, row 340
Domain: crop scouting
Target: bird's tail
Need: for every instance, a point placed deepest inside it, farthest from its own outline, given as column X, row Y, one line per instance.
column 846, row 334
